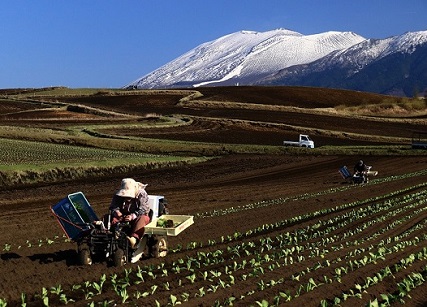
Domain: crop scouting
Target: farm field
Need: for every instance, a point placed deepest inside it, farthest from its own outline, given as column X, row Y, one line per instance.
column 274, row 228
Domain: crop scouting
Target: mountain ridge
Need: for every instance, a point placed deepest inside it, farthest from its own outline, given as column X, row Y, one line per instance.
column 391, row 62
column 281, row 57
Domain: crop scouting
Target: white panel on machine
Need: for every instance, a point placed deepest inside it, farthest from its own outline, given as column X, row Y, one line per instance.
column 153, row 202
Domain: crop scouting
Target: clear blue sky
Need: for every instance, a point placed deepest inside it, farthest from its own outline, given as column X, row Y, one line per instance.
column 110, row 43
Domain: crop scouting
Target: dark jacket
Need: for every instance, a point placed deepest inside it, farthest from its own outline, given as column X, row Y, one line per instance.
column 360, row 167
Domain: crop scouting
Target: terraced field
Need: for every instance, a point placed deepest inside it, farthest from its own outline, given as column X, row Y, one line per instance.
column 270, row 229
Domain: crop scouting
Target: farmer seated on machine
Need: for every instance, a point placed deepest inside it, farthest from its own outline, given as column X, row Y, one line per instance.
column 363, row 171
column 130, row 204
column 360, row 168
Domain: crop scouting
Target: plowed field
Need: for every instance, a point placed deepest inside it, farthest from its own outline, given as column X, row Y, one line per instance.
column 268, row 230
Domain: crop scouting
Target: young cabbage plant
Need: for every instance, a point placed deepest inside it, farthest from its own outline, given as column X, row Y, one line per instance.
column 201, row 292
column 124, row 295
column 174, row 300
column 65, row 300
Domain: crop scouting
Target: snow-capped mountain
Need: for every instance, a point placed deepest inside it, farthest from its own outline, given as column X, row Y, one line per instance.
column 394, row 65
column 284, row 57
column 245, row 57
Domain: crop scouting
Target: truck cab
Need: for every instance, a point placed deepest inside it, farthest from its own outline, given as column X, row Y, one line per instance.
column 303, row 141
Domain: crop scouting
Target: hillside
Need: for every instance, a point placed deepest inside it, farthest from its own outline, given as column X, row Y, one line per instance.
column 226, row 115
column 399, row 73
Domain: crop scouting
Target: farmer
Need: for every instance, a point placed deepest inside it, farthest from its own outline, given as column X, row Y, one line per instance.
column 360, row 168
column 130, row 204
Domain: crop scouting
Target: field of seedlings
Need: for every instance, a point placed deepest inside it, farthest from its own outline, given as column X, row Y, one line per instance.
column 269, row 229
column 267, row 236
column 18, row 152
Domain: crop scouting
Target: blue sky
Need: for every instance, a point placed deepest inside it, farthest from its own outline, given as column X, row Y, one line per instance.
column 110, row 43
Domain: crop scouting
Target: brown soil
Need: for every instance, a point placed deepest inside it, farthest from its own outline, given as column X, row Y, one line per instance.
column 224, row 183
column 262, row 190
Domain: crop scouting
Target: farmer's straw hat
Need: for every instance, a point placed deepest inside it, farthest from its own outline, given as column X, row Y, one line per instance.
column 128, row 188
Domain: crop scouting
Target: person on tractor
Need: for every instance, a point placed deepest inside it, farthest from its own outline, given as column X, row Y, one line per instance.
column 360, row 172
column 360, row 168
column 130, row 204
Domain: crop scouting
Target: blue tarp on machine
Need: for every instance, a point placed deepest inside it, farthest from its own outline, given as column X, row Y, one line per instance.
column 74, row 214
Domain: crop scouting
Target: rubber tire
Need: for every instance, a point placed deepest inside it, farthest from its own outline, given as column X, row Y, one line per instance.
column 119, row 258
column 159, row 246
column 85, row 257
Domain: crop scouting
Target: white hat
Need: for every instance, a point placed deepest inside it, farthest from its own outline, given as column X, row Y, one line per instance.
column 128, row 188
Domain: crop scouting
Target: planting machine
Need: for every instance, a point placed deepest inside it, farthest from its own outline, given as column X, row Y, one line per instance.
column 362, row 177
column 97, row 240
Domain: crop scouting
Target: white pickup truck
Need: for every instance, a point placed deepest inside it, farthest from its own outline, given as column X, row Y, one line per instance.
column 304, row 141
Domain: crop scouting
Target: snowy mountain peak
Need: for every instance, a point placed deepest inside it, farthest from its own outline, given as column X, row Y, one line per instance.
column 407, row 42
column 245, row 55
column 285, row 57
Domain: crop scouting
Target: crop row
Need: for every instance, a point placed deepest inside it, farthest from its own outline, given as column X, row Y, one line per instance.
column 254, row 263
column 289, row 263
column 278, row 201
column 14, row 152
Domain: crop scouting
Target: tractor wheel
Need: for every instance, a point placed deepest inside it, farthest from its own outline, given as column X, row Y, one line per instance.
column 158, row 246
column 119, row 258
column 85, row 257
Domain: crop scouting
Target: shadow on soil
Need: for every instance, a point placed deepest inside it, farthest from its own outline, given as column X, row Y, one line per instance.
column 69, row 256
column 9, row 256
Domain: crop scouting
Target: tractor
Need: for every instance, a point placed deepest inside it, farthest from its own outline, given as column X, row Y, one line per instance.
column 98, row 240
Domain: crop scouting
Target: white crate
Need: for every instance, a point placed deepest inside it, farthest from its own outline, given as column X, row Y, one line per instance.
column 183, row 221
